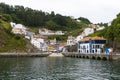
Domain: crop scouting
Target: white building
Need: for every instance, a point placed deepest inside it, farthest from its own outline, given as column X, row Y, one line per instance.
column 79, row 37
column 100, row 28
column 91, row 45
column 18, row 29
column 50, row 32
column 39, row 43
column 59, row 33
column 29, row 35
column 88, row 31
column 12, row 24
column 71, row 41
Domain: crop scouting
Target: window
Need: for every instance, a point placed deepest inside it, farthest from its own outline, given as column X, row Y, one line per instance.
column 87, row 51
column 93, row 46
column 98, row 46
column 96, row 50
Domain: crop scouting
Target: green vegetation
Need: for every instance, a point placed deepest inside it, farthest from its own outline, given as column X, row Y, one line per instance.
column 111, row 33
column 58, row 37
column 64, row 37
column 40, row 19
column 84, row 20
column 36, row 19
column 8, row 41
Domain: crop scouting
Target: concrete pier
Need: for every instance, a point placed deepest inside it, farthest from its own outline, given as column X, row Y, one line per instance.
column 101, row 56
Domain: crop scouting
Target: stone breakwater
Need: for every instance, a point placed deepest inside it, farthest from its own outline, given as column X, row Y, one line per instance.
column 44, row 54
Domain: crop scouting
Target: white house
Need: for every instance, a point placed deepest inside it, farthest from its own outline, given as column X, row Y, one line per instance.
column 59, row 33
column 29, row 35
column 88, row 31
column 39, row 43
column 71, row 41
column 91, row 45
column 100, row 28
column 79, row 37
column 54, row 41
column 12, row 24
column 18, row 29
column 50, row 32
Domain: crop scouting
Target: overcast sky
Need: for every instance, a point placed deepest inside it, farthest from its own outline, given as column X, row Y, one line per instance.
column 95, row 10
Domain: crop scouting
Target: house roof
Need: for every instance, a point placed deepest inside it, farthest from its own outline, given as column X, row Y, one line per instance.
column 92, row 38
column 70, row 37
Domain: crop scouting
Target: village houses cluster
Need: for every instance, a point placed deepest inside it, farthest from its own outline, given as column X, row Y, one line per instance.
column 87, row 31
column 89, row 44
column 37, row 40
column 85, row 44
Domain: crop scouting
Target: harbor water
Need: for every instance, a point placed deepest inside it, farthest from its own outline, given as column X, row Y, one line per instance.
column 58, row 68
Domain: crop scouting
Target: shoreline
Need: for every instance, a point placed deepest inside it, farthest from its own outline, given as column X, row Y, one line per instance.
column 56, row 55
column 43, row 54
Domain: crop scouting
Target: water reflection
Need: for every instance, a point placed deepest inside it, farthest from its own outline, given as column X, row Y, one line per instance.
column 59, row 68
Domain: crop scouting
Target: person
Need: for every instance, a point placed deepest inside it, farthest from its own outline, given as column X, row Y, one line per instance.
column 110, row 50
column 107, row 51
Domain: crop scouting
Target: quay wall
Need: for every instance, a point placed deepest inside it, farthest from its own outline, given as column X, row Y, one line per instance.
column 24, row 54
column 101, row 56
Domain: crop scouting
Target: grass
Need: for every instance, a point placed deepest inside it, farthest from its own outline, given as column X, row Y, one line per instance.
column 97, row 33
column 10, row 42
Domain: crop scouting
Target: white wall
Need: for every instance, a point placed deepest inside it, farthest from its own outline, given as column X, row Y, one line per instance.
column 88, row 31
column 39, row 43
column 86, row 45
column 100, row 28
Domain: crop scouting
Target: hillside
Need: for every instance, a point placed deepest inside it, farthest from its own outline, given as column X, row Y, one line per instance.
column 40, row 19
column 36, row 19
column 111, row 33
column 10, row 42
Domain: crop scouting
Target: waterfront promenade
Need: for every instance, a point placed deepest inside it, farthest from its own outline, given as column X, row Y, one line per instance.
column 101, row 56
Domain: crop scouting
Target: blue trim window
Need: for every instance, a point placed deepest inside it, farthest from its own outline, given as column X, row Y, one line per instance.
column 92, row 51
column 93, row 46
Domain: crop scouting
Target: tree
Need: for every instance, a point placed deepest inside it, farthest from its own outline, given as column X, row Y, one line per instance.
column 7, row 17
column 60, row 20
column 84, row 20
column 52, row 25
column 113, row 33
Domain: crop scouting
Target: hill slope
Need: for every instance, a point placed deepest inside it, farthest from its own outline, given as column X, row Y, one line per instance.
column 10, row 42
column 38, row 18
column 111, row 33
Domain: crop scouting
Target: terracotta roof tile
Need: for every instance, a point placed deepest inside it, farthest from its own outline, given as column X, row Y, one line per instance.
column 92, row 38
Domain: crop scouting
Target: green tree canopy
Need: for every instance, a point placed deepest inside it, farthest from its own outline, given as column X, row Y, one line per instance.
column 84, row 20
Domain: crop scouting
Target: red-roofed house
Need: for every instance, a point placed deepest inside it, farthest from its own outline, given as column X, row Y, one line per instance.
column 91, row 45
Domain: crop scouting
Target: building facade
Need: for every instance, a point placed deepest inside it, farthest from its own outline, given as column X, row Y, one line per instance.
column 39, row 43
column 18, row 28
column 71, row 41
column 91, row 45
column 47, row 32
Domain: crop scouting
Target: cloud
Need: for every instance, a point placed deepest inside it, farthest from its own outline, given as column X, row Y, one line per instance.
column 95, row 10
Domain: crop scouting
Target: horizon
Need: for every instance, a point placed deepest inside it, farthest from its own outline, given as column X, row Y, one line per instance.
column 95, row 11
